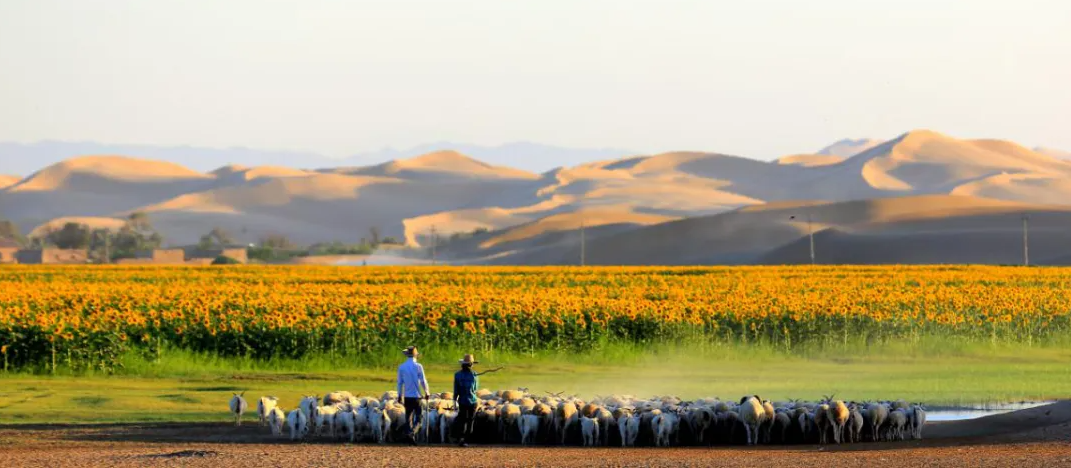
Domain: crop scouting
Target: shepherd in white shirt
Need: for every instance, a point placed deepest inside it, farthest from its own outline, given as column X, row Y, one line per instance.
column 412, row 387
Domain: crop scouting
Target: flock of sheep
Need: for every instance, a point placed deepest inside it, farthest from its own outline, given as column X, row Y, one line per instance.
column 518, row 417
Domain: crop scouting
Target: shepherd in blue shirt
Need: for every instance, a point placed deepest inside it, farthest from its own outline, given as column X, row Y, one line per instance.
column 466, row 383
column 412, row 387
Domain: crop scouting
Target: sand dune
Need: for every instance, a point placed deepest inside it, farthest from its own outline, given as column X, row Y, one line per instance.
column 96, row 186
column 440, row 164
column 927, row 161
column 923, row 162
column 751, row 233
column 970, row 230
column 8, row 180
column 674, row 208
column 1026, row 187
column 92, row 173
column 554, row 239
column 810, row 160
column 237, row 173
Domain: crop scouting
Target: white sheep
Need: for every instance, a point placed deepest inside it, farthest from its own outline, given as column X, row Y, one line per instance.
column 855, row 425
column 838, row 415
column 238, row 407
column 664, row 428
column 276, row 418
column 566, row 415
column 700, row 420
column 753, row 415
column 324, row 417
column 298, row 423
column 589, row 429
column 362, row 427
column 264, row 406
column 346, row 422
column 807, row 424
column 379, row 422
column 768, row 420
column 822, row 421
column 781, row 423
column 897, row 424
column 446, row 421
column 607, row 423
column 308, row 404
column 878, row 413
column 629, row 425
column 396, row 419
column 918, row 421
column 529, row 428
column 337, row 397
column 509, row 416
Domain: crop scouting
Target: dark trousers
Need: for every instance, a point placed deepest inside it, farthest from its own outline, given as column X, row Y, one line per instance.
column 413, row 415
column 466, row 416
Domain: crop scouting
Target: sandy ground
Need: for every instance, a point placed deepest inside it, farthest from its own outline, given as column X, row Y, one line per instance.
column 1038, row 437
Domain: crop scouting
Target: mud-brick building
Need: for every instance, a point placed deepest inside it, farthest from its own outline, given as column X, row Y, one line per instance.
column 239, row 254
column 52, row 256
column 8, row 251
column 156, row 257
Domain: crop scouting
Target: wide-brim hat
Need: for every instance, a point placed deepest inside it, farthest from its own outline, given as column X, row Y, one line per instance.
column 411, row 351
column 468, row 359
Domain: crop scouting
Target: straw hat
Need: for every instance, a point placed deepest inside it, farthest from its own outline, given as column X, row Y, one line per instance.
column 411, row 351
column 468, row 359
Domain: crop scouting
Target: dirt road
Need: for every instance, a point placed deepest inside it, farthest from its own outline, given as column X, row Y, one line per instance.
column 1039, row 437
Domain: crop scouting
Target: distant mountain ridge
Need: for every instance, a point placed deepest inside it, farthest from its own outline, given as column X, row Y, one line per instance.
column 22, row 159
column 849, row 147
column 647, row 208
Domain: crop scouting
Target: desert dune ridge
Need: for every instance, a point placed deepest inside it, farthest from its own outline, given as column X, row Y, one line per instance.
column 676, row 207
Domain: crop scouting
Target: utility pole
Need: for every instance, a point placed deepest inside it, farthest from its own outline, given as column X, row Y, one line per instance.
column 583, row 246
column 1026, row 239
column 434, row 241
column 810, row 234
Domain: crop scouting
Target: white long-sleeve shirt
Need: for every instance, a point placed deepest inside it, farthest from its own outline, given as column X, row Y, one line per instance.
column 411, row 378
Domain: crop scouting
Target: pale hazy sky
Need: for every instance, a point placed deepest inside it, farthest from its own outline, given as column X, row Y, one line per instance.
column 759, row 78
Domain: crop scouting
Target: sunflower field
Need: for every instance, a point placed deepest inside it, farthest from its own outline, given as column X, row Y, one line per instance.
column 87, row 317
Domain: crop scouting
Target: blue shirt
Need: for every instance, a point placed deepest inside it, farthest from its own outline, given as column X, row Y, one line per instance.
column 465, row 384
column 411, row 378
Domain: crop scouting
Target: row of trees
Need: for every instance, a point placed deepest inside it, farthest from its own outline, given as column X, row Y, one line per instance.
column 138, row 234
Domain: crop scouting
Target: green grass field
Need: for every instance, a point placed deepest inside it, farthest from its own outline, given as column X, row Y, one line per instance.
column 181, row 387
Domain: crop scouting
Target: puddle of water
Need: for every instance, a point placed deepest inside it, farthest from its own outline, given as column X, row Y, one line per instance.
column 959, row 413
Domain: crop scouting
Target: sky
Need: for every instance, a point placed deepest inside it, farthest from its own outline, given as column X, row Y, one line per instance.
column 758, row 78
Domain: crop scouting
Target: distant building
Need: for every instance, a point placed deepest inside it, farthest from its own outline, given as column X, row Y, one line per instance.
column 8, row 251
column 239, row 254
column 156, row 257
column 183, row 257
column 148, row 257
column 52, row 256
